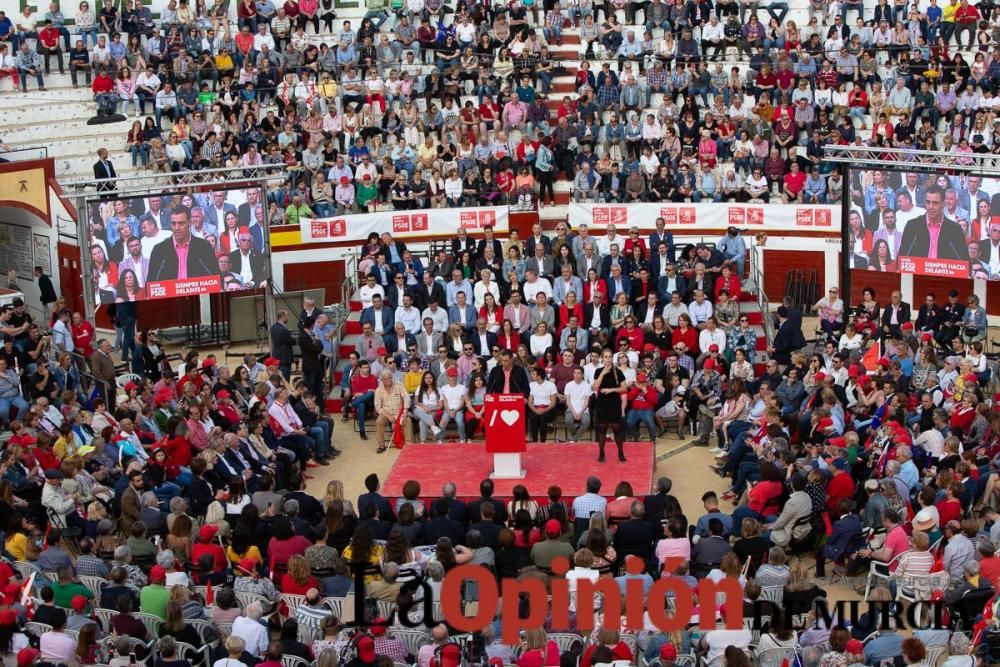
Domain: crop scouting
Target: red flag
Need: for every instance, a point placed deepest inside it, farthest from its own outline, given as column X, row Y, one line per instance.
column 26, row 601
column 398, row 439
column 209, row 596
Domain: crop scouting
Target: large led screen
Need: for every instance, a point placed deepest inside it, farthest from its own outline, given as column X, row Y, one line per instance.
column 176, row 244
column 924, row 223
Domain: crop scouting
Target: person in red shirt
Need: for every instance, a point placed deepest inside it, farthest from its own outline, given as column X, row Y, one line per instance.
column 966, row 18
column 363, row 386
column 48, row 46
column 764, row 497
column 83, row 336
column 840, row 485
column 950, row 508
column 989, row 566
column 206, row 544
column 103, row 88
column 244, row 44
column 794, row 184
column 642, row 400
column 299, row 578
column 685, row 333
column 630, row 332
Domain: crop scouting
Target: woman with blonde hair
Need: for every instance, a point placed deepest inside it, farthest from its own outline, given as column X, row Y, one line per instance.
column 609, row 638
column 215, row 515
column 537, row 649
column 191, row 609
column 801, row 589
column 335, row 491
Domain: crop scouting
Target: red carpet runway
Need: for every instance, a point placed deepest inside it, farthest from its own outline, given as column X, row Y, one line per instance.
column 565, row 464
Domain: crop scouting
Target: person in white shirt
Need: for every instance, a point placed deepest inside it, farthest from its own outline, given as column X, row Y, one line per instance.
column 438, row 315
column 584, row 561
column 709, row 336
column 368, row 290
column 62, row 338
column 485, row 286
column 715, row 642
column 604, row 243
column 699, row 310
column 542, row 399
column 541, row 340
column 262, row 38
column 453, row 400
column 673, row 310
column 533, row 285
column 577, row 395
column 249, row 628
column 592, row 367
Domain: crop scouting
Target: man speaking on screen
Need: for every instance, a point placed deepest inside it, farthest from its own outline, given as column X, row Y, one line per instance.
column 932, row 235
column 183, row 255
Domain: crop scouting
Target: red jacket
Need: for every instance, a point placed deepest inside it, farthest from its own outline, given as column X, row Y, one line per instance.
column 49, row 36
column 534, row 657
column 643, row 400
column 841, row 486
column 102, row 84
column 178, row 451
column 966, row 14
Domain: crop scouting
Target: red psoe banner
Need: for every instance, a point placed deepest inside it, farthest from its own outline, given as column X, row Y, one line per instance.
column 946, row 268
column 504, row 414
column 403, row 224
column 707, row 216
column 168, row 289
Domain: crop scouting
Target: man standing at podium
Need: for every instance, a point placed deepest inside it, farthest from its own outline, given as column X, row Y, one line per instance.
column 506, row 378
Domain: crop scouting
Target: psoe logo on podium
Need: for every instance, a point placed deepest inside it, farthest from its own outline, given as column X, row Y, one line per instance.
column 505, row 434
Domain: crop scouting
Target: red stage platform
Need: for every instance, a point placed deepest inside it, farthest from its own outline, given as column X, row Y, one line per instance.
column 565, row 464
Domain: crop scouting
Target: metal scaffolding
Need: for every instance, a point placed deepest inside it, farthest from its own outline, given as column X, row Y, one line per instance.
column 139, row 183
column 869, row 157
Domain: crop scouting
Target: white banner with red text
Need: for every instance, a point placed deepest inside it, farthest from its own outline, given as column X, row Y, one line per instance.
column 443, row 222
column 766, row 217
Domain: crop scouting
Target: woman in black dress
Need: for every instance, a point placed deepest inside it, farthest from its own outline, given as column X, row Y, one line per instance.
column 610, row 387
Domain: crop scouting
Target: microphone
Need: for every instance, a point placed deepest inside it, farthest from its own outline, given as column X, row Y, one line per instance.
column 159, row 269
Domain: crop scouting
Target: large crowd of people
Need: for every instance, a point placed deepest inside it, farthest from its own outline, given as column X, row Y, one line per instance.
column 130, row 497
column 424, row 105
column 876, row 453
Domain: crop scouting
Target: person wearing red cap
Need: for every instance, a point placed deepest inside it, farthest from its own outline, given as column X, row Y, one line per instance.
column 703, row 393
column 344, row 195
column 642, row 399
column 710, row 336
column 154, row 597
column 544, row 552
column 207, row 544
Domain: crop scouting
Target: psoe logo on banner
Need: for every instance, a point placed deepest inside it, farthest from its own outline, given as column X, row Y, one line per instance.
column 688, row 215
column 669, row 215
column 320, row 229
column 804, row 217
column 610, row 215
column 400, row 224
column 824, row 218
column 487, row 218
column 737, row 216
column 418, row 222
column 468, row 220
column 755, row 215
